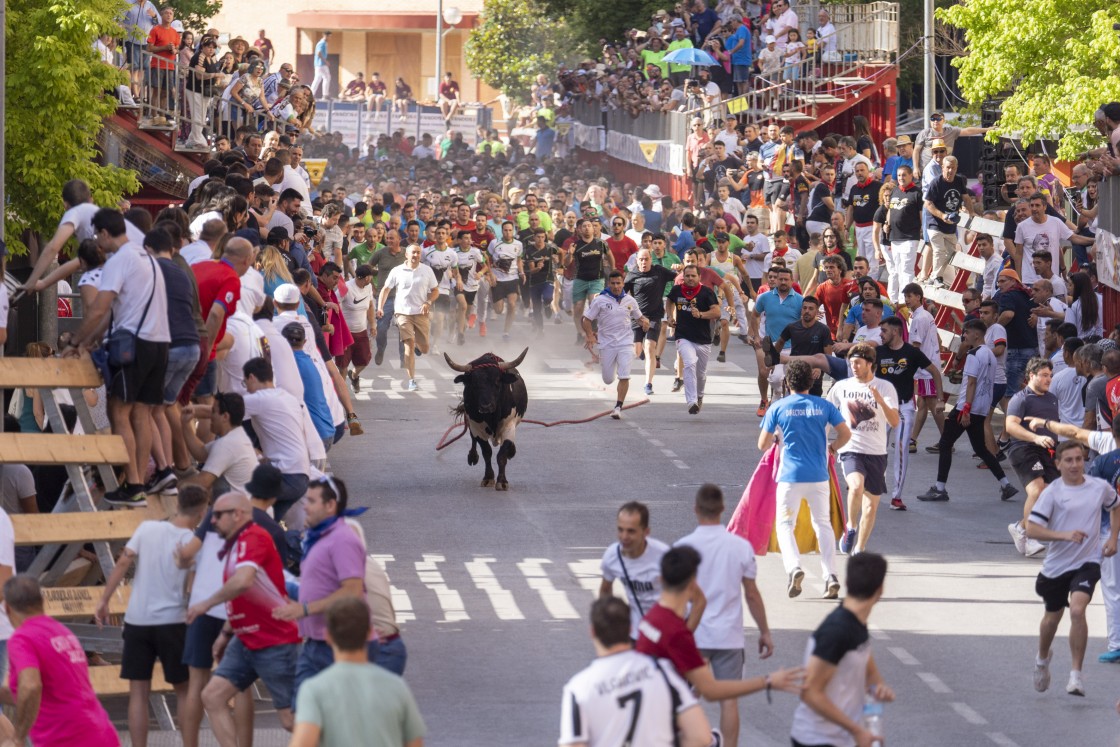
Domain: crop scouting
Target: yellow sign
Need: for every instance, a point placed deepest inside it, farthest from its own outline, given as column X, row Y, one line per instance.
column 315, row 169
column 563, row 128
column 649, row 149
column 737, row 106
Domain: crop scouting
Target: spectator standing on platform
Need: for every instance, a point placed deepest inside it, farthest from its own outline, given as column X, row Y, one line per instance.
column 322, row 80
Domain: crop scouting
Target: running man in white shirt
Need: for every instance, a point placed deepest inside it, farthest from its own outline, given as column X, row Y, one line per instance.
column 616, row 311
column 417, row 289
column 1067, row 515
column 635, row 560
column 923, row 336
column 506, row 272
column 628, row 698
column 471, row 264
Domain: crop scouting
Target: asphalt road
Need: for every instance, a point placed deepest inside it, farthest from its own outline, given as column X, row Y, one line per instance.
column 494, row 588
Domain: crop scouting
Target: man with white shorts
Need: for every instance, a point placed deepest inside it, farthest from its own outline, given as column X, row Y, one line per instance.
column 863, row 201
column 803, row 475
column 615, row 310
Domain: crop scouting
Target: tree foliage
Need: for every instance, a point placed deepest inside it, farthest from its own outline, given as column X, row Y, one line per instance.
column 194, row 13
column 56, row 102
column 516, row 41
column 1056, row 61
column 593, row 20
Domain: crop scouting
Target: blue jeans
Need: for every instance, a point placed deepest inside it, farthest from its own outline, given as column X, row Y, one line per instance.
column 383, row 324
column 315, row 656
column 539, row 297
column 181, row 362
column 1016, row 366
column 294, row 488
column 275, row 666
column 392, row 655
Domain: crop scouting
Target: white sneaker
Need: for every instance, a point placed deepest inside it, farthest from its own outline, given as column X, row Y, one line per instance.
column 1075, row 686
column 1042, row 674
column 1034, row 548
column 412, row 385
column 1018, row 536
column 616, row 413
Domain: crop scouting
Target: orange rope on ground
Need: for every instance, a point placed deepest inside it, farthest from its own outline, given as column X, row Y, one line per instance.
column 444, row 443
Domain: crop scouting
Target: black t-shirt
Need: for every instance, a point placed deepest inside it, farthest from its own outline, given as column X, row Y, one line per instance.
column 864, row 199
column 752, row 146
column 589, row 259
column 648, row 289
column 906, row 213
column 818, row 210
column 880, row 216
column 693, row 329
column 195, row 82
column 1027, row 404
column 1020, row 333
column 899, row 366
column 561, row 236
column 800, row 191
column 840, row 633
column 948, row 197
column 809, row 341
column 543, row 275
column 719, row 170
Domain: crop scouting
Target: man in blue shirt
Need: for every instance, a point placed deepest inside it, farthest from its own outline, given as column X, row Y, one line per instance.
column 782, row 307
column 904, row 157
column 322, row 68
column 739, row 45
column 313, row 397
column 546, row 139
column 803, row 473
column 686, row 240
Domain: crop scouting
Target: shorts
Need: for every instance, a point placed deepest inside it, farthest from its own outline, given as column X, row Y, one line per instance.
column 584, row 289
column 133, row 53
column 1055, row 591
column 727, row 663
column 469, row 296
column 275, row 666
column 616, row 360
column 162, row 79
column 653, row 334
column 208, row 384
column 741, row 73
column 180, row 364
column 1015, row 366
column 503, row 289
column 771, row 191
column 199, row 649
column 442, row 303
column 998, row 392
column 197, row 374
column 1031, row 462
column 925, row 387
column 873, row 467
column 142, row 380
column 414, row 327
column 143, row 644
column 358, row 353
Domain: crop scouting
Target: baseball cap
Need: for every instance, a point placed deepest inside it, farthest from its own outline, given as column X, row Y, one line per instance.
column 293, row 332
column 286, row 293
column 771, row 40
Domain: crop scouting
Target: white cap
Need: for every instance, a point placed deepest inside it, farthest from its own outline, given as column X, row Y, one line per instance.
column 771, row 40
column 286, row 294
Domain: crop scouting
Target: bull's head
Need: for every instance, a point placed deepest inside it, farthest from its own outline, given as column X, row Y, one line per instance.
column 483, row 379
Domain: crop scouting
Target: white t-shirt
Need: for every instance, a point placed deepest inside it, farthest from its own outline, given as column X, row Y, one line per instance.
column 232, row 456
column 285, row 373
column 413, row 287
column 247, row 345
column 1040, row 237
column 81, row 218
column 727, row 560
column 1073, row 316
column 1067, row 387
column 355, row 305
column 201, row 220
column 615, row 318
column 279, row 220
column 1056, row 305
column 252, row 292
column 208, row 571
column 862, row 413
column 1062, row 508
column 278, row 420
column 644, row 571
column 923, row 335
column 980, row 364
column 469, row 262
column 196, row 251
column 16, row 482
column 132, row 274
column 994, row 335
column 622, row 699
column 755, row 267
column 503, row 259
column 159, row 586
column 441, row 261
column 8, row 558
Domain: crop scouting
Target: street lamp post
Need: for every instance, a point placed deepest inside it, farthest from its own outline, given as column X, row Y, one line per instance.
column 451, row 16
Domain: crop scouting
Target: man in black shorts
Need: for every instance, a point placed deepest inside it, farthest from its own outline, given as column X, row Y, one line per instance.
column 1031, row 452
column 647, row 285
column 1068, row 516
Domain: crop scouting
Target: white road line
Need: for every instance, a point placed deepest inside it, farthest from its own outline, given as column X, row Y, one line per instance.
column 879, row 634
column 656, row 443
column 402, row 605
column 669, row 453
column 904, row 656
column 504, row 605
column 450, row 601
column 969, row 715
column 393, row 395
column 587, row 572
column 555, row 601
column 680, row 464
column 1002, row 739
column 934, row 682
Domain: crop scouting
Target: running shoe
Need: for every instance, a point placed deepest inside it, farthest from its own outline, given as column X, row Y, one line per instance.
column 1034, row 548
column 642, row 357
column 982, row 465
column 355, row 382
column 379, row 356
column 1075, row 685
column 694, row 409
column 657, row 360
column 934, row 495
column 1110, row 657
column 649, row 389
column 935, row 449
column 832, row 588
column 460, row 339
column 471, row 320
column 897, row 504
column 1042, row 674
column 482, row 329
column 412, row 385
column 677, row 384
column 1018, row 536
column 913, row 447
column 796, row 576
column 700, row 402
column 848, row 541
column 505, row 337
column 420, row 352
column 354, row 425
column 127, row 496
column 722, row 357
column 163, row 481
column 1007, row 492
column 762, row 408
column 768, row 352
column 616, row 413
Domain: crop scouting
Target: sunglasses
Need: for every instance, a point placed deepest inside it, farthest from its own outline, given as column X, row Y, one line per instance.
column 939, row 150
column 218, row 514
column 936, row 118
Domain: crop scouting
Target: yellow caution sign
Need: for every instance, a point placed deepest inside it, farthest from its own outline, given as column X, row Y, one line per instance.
column 649, row 149
column 315, row 169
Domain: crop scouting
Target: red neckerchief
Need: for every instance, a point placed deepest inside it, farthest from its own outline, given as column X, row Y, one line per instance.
column 864, row 184
column 781, row 252
column 831, row 185
column 691, row 294
column 911, row 186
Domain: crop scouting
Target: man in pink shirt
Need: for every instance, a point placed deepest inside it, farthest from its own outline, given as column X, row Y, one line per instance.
column 48, row 679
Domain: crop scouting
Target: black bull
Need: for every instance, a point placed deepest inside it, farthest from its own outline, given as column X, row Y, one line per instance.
column 494, row 401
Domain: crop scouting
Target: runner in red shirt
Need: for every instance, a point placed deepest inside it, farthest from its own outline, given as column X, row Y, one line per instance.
column 219, row 290
column 621, row 246
column 253, row 643
column 834, row 292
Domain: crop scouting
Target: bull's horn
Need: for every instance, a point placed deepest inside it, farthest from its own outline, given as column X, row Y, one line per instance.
column 455, row 366
column 507, row 365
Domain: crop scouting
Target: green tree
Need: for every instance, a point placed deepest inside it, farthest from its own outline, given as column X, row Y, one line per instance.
column 195, row 13
column 1056, row 61
column 56, row 98
column 516, row 41
column 592, row 20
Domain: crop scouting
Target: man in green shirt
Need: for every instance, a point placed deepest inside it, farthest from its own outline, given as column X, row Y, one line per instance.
column 678, row 73
column 353, row 702
column 360, row 250
column 383, row 261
